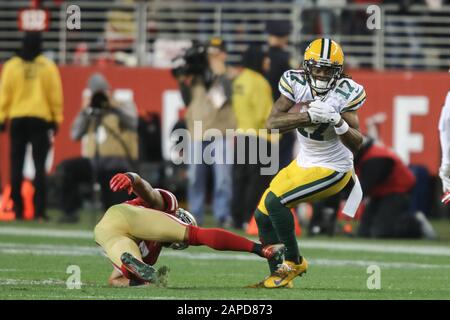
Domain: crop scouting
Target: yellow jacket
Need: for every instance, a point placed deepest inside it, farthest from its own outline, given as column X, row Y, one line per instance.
column 252, row 102
column 31, row 89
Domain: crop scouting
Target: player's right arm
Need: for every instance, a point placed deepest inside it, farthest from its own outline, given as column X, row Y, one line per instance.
column 132, row 182
column 281, row 119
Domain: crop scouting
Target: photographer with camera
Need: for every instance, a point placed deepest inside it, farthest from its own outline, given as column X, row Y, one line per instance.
column 108, row 132
column 206, row 91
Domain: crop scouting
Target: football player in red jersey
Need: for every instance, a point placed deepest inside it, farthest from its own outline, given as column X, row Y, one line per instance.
column 133, row 233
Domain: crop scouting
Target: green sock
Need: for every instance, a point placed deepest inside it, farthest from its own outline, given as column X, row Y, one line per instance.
column 267, row 235
column 283, row 222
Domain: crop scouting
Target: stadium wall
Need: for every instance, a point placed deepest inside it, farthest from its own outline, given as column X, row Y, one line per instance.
column 411, row 102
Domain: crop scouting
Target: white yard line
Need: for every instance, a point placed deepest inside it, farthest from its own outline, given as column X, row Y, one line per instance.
column 47, row 233
column 309, row 244
column 63, row 250
column 74, row 295
column 17, row 282
column 376, row 247
column 49, row 249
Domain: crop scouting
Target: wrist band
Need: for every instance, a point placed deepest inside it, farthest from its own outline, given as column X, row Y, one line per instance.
column 342, row 129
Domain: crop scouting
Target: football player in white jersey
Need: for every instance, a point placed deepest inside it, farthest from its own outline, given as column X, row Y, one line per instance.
column 444, row 134
column 328, row 131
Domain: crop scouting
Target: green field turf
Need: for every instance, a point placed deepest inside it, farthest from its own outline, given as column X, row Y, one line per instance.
column 34, row 260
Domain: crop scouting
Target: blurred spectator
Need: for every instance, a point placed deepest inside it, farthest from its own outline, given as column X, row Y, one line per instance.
column 120, row 28
column 252, row 103
column 354, row 21
column 318, row 18
column 434, row 4
column 328, row 21
column 108, row 132
column 441, row 52
column 278, row 39
column 387, row 185
column 208, row 97
column 324, row 217
column 308, row 18
column 31, row 99
column 81, row 54
column 402, row 24
column 149, row 130
column 387, row 182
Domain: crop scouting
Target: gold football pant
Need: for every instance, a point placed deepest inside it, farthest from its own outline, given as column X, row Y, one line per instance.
column 292, row 185
column 295, row 184
column 123, row 226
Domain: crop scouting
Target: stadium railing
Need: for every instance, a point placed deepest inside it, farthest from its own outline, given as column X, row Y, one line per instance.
column 418, row 38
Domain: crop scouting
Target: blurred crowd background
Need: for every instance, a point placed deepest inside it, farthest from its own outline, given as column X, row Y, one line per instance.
column 103, row 128
column 147, row 32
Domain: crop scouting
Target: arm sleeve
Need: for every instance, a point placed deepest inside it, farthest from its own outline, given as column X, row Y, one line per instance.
column 375, row 171
column 285, row 86
column 55, row 93
column 5, row 92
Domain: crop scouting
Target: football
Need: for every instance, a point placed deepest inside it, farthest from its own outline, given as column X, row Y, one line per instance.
column 300, row 107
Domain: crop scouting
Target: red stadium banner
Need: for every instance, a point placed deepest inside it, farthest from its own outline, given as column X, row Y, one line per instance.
column 409, row 102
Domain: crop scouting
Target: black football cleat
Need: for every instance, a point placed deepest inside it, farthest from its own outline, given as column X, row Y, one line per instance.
column 141, row 270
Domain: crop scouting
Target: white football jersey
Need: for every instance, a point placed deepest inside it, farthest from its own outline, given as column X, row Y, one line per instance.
column 319, row 144
column 444, row 132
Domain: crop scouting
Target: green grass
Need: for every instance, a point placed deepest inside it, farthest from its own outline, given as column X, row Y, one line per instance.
column 31, row 269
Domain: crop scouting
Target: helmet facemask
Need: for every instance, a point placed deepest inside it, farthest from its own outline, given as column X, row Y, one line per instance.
column 322, row 76
column 186, row 217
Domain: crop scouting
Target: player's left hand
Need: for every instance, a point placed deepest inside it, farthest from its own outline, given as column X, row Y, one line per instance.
column 121, row 182
column 446, row 198
column 324, row 112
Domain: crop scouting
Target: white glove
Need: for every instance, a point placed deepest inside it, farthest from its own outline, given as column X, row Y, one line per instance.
column 321, row 112
column 315, row 117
